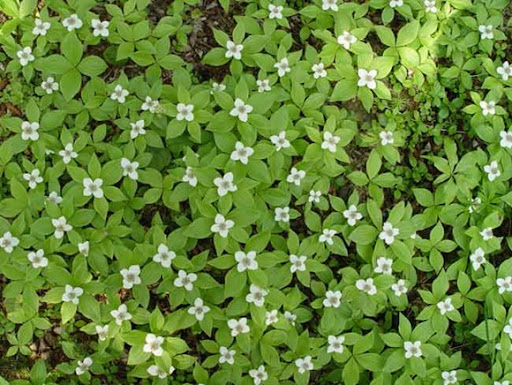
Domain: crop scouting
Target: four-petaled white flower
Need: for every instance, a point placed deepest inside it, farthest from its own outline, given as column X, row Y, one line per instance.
column 131, row 276
column 130, row 169
column 246, row 261
column 50, row 85
column 384, row 265
column 335, row 344
column 156, row 371
column 319, row 70
column 290, row 317
column 367, row 78
column 241, row 153
column 330, row 4
column 164, row 256
column 412, row 349
column 185, row 280
column 485, row 31
column 54, row 197
column 185, row 112
column 121, row 314
column 29, row 131
column 330, row 141
column 222, row 225
column 258, row 375
column 72, row 294
column 83, row 366
column 119, row 94
column 445, row 306
column 190, row 177
column 241, row 110
column 226, row 356
column 280, row 141
column 386, row 137
column 256, row 295
column 275, row 11
column 314, row 196
column 271, row 317
column 153, row 345
column 295, row 176
column 238, row 326
column 399, row 288
column 508, row 328
column 332, row 299
column 487, row 234
column 93, row 187
column 199, row 309
column 346, row 39
column 216, row 87
column 304, row 364
column 137, row 129
column 83, row 248
column 352, row 215
column 492, row 170
column 327, row 235
column 449, row 377
column 282, row 214
column 154, row 105
column 100, row 28
column 505, row 70
column 263, row 85
column 298, row 263
column 225, row 184
column 102, row 332
column 61, row 227
column 430, row 6
column 33, row 178
column 388, row 233
column 488, row 108
column 41, row 27
column 234, row 50
column 67, row 154
column 25, row 56
column 37, row 259
column 506, row 139
column 504, row 284
column 396, row 3
column 283, row 67
column 8, row 242
column 72, row 22
column 367, row 286
column 477, row 258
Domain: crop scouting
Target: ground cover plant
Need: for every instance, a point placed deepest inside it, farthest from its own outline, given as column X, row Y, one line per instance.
column 255, row 192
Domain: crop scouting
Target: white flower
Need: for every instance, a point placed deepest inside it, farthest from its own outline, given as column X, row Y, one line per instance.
column 185, row 280
column 399, row 288
column 256, row 295
column 217, row 87
column 296, row 176
column 449, row 377
column 290, row 317
column 33, row 178
column 474, row 204
column 503, row 382
column 130, row 169
column 83, row 366
column 41, row 27
column 8, row 242
column 241, row 153
column 319, row 71
column 335, row 344
column 241, row 110
column 282, row 214
column 164, row 256
column 396, row 3
column 508, row 328
column 238, row 326
column 304, row 364
column 271, row 317
column 430, row 6
column 25, row 56
column 282, row 67
column 384, row 265
column 100, row 28
column 297, row 263
column 226, row 356
column 263, row 85
column 185, row 112
column 153, row 345
column 330, row 141
column 61, row 226
column 246, row 261
column 280, row 141
column 367, row 286
column 119, row 94
column 275, row 11
column 504, row 284
column 488, row 108
column 367, row 78
column 29, row 131
column 54, row 197
column 154, row 105
column 386, row 137
column 50, row 85
column 492, row 170
column 190, row 177
column 314, row 196
column 121, row 314
column 225, row 184
column 199, row 309
column 487, row 234
column 327, row 235
column 37, row 259
column 102, row 332
column 506, row 139
column 505, row 70
column 258, row 375
column 388, row 233
column 131, row 276
column 67, row 154
column 155, row 371
column 234, row 50
column 332, row 299
column 346, row 39
column 445, row 306
column 352, row 215
column 222, row 225
column 485, row 32
column 93, row 187
column 412, row 349
column 83, row 248
column 72, row 22
column 330, row 4
column 137, row 129
column 72, row 294
column 477, row 258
